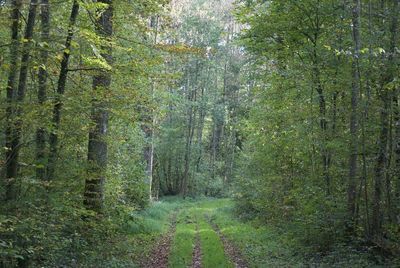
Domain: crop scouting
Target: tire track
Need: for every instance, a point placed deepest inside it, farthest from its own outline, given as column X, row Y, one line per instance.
column 159, row 255
column 197, row 250
column 230, row 249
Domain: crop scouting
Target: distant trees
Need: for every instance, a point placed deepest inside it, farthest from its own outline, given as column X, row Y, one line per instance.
column 198, row 138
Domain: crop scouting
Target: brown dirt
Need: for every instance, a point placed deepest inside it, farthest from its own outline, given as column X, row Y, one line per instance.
column 230, row 249
column 159, row 255
column 197, row 251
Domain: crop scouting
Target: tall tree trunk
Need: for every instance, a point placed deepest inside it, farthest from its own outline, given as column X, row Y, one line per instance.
column 381, row 165
column 97, row 148
column 352, row 183
column 323, row 122
column 11, row 165
column 200, row 128
column 57, row 106
column 395, row 61
column 148, row 127
column 397, row 154
column 42, row 89
column 189, row 139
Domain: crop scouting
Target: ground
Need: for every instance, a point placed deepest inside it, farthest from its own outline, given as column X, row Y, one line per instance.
column 207, row 233
column 204, row 233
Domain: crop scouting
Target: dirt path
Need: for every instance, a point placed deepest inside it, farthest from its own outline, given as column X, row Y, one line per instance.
column 194, row 240
column 231, row 250
column 197, row 250
column 159, row 255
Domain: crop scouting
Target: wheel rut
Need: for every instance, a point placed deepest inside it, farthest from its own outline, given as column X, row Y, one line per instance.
column 230, row 249
column 197, row 255
column 160, row 253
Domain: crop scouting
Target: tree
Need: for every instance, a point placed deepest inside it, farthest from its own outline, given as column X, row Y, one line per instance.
column 42, row 88
column 97, row 149
column 62, row 80
column 10, row 161
column 352, row 192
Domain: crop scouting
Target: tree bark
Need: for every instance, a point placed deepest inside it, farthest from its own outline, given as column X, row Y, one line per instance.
column 381, row 165
column 97, row 148
column 57, row 106
column 42, row 89
column 352, row 182
column 394, row 38
column 11, row 165
column 148, row 125
column 189, row 139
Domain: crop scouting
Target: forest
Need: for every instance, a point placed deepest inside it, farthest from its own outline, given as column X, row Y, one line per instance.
column 199, row 133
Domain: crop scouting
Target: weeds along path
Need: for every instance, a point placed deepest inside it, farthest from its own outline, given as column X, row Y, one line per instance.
column 160, row 253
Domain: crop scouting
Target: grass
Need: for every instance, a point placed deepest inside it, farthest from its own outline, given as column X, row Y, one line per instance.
column 262, row 246
column 155, row 219
column 183, row 243
column 212, row 247
column 147, row 226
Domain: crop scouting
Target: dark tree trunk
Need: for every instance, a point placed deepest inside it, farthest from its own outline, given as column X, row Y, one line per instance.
column 57, row 106
column 11, row 165
column 382, row 160
column 394, row 38
column 97, row 149
column 352, row 182
column 380, row 167
column 322, row 114
column 42, row 90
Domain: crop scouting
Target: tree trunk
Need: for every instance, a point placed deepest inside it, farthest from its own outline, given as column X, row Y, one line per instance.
column 381, row 165
column 57, row 106
column 97, row 148
column 11, row 165
column 352, row 182
column 189, row 139
column 148, row 126
column 322, row 114
column 42, row 90
column 394, row 38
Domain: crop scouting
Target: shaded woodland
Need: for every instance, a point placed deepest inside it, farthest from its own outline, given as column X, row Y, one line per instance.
column 288, row 109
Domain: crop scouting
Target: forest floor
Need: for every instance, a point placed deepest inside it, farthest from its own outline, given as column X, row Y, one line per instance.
column 176, row 233
column 206, row 233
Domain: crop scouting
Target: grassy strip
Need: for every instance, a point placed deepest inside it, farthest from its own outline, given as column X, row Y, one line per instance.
column 211, row 246
column 183, row 243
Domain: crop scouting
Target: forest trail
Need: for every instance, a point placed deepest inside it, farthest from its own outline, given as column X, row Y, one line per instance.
column 195, row 240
